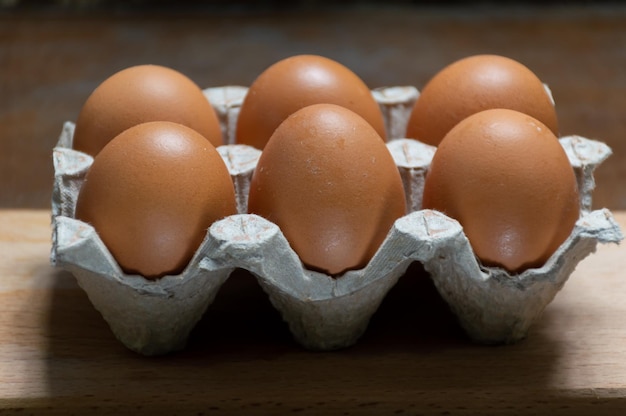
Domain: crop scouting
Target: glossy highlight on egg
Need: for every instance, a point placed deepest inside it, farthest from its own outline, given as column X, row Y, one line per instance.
column 152, row 193
column 296, row 82
column 473, row 84
column 140, row 94
column 505, row 177
column 329, row 182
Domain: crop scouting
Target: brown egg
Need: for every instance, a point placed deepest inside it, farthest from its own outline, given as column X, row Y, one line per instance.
column 504, row 176
column 297, row 82
column 474, row 84
column 139, row 94
column 151, row 195
column 328, row 181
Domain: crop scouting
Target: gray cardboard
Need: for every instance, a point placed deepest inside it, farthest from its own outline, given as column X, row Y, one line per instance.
column 323, row 313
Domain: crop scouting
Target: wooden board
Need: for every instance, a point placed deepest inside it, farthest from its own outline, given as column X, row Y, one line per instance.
column 58, row 356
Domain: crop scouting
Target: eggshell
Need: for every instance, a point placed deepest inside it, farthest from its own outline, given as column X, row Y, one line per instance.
column 329, row 182
column 505, row 177
column 155, row 316
column 473, row 84
column 140, row 94
column 296, row 82
column 151, row 194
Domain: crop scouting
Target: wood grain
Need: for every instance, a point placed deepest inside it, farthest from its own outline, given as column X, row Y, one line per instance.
column 57, row 355
column 50, row 63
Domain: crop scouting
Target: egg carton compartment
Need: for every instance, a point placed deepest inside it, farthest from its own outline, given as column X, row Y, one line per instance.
column 323, row 312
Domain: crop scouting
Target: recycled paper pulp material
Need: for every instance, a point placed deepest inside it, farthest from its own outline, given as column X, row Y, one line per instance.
column 323, row 312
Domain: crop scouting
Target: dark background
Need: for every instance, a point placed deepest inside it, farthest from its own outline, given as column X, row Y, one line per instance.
column 54, row 53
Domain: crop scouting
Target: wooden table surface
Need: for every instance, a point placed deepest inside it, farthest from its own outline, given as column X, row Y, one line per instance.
column 58, row 356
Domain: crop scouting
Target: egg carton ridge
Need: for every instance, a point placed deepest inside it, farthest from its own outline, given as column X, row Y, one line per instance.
column 323, row 312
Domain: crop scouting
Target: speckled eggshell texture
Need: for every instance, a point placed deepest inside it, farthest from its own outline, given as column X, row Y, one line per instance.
column 473, row 84
column 505, row 177
column 294, row 83
column 140, row 94
column 152, row 193
column 329, row 182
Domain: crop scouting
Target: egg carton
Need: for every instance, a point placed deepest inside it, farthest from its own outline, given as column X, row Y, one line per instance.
column 322, row 312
